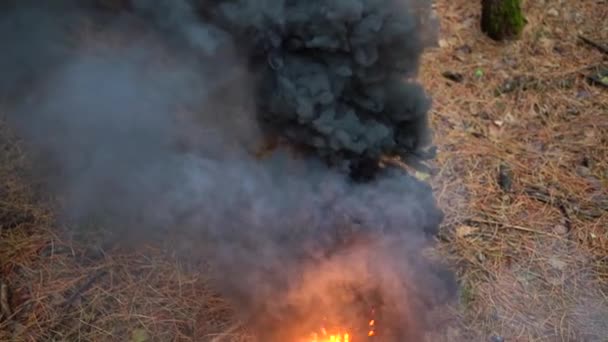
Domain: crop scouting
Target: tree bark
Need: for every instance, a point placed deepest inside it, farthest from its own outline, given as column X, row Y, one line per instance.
column 502, row 19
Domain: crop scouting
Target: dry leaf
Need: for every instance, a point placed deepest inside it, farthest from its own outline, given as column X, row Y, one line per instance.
column 494, row 132
column 464, row 231
column 557, row 263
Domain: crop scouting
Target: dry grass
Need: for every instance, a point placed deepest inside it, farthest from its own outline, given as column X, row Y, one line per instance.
column 59, row 291
column 533, row 261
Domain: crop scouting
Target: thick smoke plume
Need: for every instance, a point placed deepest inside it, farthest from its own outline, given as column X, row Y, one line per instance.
column 332, row 74
column 145, row 116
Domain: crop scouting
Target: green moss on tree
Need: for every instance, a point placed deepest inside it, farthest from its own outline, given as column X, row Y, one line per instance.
column 502, row 19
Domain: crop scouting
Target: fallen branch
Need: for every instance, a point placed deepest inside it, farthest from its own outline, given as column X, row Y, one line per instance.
column 598, row 46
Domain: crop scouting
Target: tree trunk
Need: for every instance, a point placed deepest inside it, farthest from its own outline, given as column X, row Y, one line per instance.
column 502, row 19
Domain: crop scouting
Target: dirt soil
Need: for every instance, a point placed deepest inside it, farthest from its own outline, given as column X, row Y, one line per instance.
column 522, row 176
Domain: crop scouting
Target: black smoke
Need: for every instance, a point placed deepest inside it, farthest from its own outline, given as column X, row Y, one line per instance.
column 144, row 117
column 332, row 75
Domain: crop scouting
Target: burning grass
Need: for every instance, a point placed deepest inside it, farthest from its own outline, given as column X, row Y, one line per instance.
column 532, row 260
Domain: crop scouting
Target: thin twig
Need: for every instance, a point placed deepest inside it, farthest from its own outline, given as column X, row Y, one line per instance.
column 5, row 309
column 229, row 332
column 515, row 227
column 84, row 288
column 598, row 46
column 71, row 299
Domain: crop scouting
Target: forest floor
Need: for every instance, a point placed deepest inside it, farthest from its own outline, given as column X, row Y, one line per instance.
column 523, row 178
column 524, row 160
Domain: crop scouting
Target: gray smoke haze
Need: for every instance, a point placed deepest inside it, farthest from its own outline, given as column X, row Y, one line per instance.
column 146, row 121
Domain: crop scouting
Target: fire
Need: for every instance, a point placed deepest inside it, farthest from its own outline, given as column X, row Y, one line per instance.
column 341, row 335
column 338, row 336
column 325, row 337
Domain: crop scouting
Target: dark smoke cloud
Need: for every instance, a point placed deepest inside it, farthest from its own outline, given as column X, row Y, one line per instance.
column 332, row 73
column 147, row 121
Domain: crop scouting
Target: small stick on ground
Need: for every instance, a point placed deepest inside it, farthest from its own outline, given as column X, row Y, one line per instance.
column 514, row 227
column 598, row 46
column 71, row 299
column 84, row 288
column 5, row 309
column 226, row 333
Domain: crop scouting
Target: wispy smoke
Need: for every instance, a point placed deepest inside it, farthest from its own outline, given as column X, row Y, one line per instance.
column 147, row 119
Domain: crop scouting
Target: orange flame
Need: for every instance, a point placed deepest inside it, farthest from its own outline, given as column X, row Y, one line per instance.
column 339, row 337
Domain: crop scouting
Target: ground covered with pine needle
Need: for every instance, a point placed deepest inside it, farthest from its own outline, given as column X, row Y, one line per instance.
column 522, row 175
